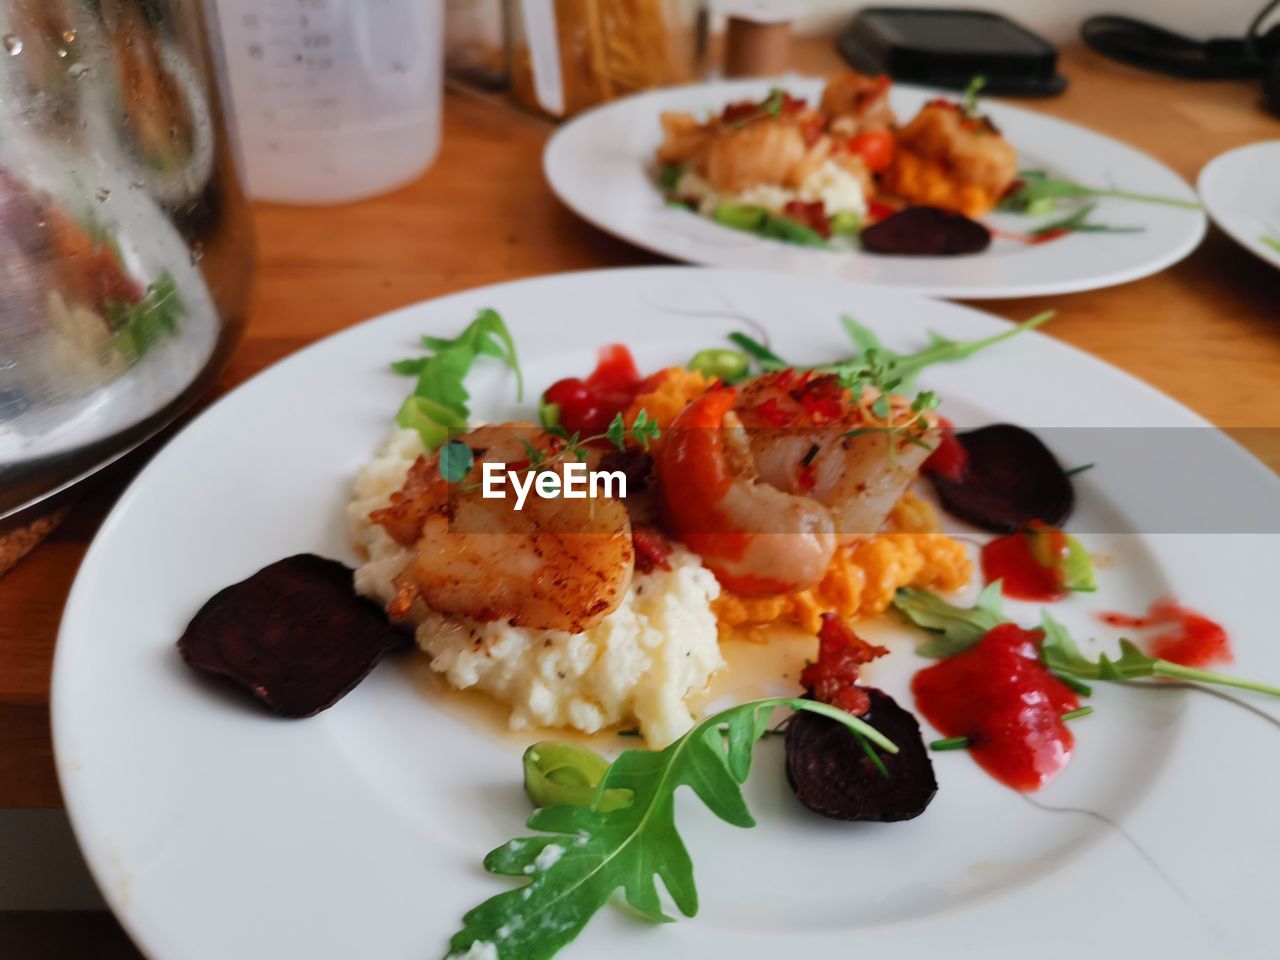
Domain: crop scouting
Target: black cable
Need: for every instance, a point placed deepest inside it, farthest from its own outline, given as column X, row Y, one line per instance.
column 1152, row 47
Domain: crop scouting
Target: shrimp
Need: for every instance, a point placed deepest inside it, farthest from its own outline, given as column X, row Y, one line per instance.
column 756, row 538
column 683, row 137
column 557, row 564
column 856, row 102
column 763, row 152
column 799, row 426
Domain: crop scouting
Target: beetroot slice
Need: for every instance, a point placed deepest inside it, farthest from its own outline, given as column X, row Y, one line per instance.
column 1010, row 479
column 832, row 775
column 925, row 232
column 296, row 636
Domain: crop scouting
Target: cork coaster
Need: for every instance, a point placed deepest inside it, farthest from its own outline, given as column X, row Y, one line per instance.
column 18, row 542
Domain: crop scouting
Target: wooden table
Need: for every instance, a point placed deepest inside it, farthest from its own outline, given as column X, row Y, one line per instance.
column 1207, row 331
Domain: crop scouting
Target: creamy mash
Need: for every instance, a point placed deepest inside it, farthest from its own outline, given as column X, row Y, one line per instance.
column 836, row 187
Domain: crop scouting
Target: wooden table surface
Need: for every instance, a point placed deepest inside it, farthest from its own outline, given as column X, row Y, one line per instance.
column 1206, row 331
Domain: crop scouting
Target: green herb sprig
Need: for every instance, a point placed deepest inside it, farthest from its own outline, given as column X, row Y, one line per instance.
column 1272, row 242
column 970, row 102
column 1039, row 194
column 582, row 854
column 457, row 459
column 437, row 409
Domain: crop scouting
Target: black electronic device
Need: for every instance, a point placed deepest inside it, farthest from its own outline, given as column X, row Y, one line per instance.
column 948, row 47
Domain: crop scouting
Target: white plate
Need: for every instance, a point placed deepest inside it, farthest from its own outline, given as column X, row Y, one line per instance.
column 600, row 165
column 218, row 831
column 1241, row 191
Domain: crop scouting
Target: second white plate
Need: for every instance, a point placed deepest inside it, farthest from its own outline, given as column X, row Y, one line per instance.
column 1241, row 191
column 600, row 165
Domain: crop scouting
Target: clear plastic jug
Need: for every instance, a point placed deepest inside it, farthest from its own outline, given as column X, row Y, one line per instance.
column 334, row 100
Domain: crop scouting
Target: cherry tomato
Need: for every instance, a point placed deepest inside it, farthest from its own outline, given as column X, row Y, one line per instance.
column 875, row 147
column 587, row 406
column 579, row 405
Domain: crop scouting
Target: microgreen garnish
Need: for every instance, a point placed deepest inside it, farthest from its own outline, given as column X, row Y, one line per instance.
column 1039, row 192
column 643, row 431
column 1080, row 469
column 964, row 743
column 1272, row 242
column 437, row 408
column 771, row 107
column 456, row 461
column 140, row 326
column 971, row 96
column 583, row 853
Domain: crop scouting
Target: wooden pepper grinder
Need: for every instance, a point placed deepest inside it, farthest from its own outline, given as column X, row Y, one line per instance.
column 757, row 37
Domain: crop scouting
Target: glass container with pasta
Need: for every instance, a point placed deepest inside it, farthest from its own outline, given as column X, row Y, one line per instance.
column 567, row 55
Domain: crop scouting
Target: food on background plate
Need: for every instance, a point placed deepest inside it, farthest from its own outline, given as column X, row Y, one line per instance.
column 760, row 493
column 67, row 286
column 844, row 173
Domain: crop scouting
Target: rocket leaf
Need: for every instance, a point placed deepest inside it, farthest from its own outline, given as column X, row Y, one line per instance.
column 585, row 853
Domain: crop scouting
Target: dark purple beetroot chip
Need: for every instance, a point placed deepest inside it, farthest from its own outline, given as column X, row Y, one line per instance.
column 832, row 775
column 1010, row 479
column 295, row 635
column 925, row 232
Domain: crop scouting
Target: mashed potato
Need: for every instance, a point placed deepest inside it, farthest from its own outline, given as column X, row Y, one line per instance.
column 636, row 665
column 838, row 190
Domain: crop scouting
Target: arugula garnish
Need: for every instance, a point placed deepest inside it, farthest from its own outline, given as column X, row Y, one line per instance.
column 584, row 853
column 140, row 326
column 1061, row 655
column 1077, row 223
column 954, row 629
column 962, row 627
column 875, row 365
column 887, row 370
column 437, row 408
column 1039, row 193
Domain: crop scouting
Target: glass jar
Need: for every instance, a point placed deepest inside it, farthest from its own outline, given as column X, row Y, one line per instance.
column 126, row 243
column 568, row 55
